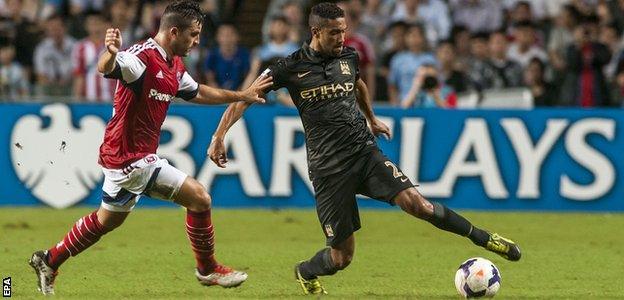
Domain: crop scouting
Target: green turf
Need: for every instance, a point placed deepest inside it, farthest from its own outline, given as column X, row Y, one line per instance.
column 576, row 256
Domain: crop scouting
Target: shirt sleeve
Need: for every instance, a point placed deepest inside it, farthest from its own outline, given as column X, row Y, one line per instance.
column 278, row 72
column 128, row 67
column 187, row 87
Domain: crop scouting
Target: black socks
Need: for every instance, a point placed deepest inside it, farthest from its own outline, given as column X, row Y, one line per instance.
column 448, row 220
column 320, row 264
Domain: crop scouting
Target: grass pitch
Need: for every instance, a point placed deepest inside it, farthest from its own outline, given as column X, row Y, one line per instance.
column 575, row 256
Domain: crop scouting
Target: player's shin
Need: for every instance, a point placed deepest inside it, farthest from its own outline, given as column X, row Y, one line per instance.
column 200, row 232
column 320, row 264
column 86, row 232
column 446, row 219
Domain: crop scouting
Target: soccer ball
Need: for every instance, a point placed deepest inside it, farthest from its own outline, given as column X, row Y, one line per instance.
column 477, row 277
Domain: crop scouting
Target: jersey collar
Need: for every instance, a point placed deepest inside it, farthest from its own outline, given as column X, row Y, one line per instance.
column 312, row 54
column 159, row 48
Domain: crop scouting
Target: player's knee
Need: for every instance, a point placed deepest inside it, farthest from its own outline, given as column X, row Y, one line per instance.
column 415, row 204
column 202, row 200
column 343, row 261
column 109, row 224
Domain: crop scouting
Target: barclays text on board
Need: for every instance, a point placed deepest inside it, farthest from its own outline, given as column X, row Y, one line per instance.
column 555, row 159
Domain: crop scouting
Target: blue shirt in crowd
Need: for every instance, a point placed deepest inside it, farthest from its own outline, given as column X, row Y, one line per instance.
column 403, row 68
column 229, row 72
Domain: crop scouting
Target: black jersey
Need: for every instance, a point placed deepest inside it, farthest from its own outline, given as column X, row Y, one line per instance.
column 323, row 89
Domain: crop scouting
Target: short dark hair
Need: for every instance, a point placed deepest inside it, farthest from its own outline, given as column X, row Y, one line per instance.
column 181, row 14
column 324, row 11
column 396, row 24
column 93, row 13
column 480, row 35
column 280, row 18
column 228, row 24
column 524, row 25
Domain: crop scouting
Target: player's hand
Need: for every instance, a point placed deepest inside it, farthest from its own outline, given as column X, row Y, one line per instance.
column 254, row 92
column 379, row 128
column 217, row 152
column 113, row 40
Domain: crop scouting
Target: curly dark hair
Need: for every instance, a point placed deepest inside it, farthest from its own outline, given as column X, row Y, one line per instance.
column 324, row 11
column 181, row 14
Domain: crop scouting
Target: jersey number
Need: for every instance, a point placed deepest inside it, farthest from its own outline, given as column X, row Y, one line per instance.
column 395, row 171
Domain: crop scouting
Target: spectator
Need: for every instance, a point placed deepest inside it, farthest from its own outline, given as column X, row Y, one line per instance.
column 364, row 48
column 477, row 15
column 278, row 46
column 394, row 44
column 89, row 84
column 53, row 68
column 450, row 73
column 23, row 33
column 122, row 15
column 427, row 91
column 227, row 64
column 604, row 13
column 616, row 7
column 500, row 71
column 294, row 14
column 538, row 10
column 585, row 83
column 433, row 13
column 524, row 48
column 617, row 91
column 478, row 59
column 292, row 10
column 522, row 13
column 374, row 16
column 404, row 65
column 353, row 15
column 88, row 5
column 561, row 35
column 609, row 35
column 544, row 93
column 13, row 80
column 461, row 40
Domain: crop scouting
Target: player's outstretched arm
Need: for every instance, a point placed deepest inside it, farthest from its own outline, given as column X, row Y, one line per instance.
column 364, row 102
column 112, row 41
column 210, row 95
column 216, row 150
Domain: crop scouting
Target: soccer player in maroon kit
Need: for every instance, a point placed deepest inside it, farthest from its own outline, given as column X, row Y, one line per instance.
column 149, row 76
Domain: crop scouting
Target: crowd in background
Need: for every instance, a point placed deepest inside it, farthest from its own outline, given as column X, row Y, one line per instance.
column 413, row 53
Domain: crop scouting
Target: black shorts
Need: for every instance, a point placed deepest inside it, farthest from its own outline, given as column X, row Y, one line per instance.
column 372, row 175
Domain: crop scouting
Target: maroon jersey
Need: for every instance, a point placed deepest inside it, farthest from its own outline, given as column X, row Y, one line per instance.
column 146, row 83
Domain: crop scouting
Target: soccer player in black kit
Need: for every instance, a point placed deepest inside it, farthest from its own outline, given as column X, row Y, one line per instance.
column 343, row 157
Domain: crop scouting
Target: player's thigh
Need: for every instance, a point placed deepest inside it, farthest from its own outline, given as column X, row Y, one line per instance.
column 383, row 179
column 336, row 206
column 116, row 200
column 165, row 182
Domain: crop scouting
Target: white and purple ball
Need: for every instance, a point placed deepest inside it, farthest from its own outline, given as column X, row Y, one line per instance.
column 477, row 277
